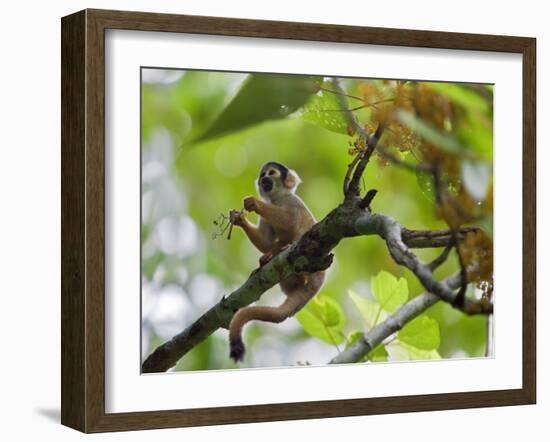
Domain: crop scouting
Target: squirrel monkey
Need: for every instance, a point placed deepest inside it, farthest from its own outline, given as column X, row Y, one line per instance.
column 284, row 218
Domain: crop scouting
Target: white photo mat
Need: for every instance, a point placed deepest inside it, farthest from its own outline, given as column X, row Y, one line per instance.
column 127, row 390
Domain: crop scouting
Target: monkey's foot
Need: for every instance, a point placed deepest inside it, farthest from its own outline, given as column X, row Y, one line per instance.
column 236, row 349
column 264, row 259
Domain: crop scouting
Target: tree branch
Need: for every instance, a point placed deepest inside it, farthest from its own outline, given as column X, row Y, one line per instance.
column 421, row 239
column 351, row 167
column 351, row 186
column 391, row 231
column 312, row 253
column 362, row 133
column 442, row 257
column 350, row 116
column 167, row 355
column 368, row 342
column 367, row 199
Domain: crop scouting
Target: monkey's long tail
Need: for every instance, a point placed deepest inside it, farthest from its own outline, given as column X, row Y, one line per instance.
column 260, row 313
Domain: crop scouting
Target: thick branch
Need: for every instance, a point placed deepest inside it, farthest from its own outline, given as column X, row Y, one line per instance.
column 168, row 354
column 363, row 346
column 311, row 253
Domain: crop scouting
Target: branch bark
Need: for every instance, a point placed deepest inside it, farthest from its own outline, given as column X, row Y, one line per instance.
column 420, row 239
column 350, row 116
column 351, row 185
column 312, row 253
column 389, row 229
column 353, row 188
column 167, row 355
column 368, row 342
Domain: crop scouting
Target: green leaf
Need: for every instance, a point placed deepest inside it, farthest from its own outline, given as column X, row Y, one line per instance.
column 429, row 133
column 476, row 177
column 323, row 318
column 353, row 337
column 263, row 97
column 188, row 106
column 402, row 351
column 323, row 109
column 418, row 354
column 422, row 332
column 475, row 128
column 476, row 132
column 462, row 96
column 379, row 354
column 389, row 291
column 370, row 310
column 425, row 182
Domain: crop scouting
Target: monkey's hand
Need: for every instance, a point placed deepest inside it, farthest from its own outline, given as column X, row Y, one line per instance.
column 237, row 218
column 251, row 204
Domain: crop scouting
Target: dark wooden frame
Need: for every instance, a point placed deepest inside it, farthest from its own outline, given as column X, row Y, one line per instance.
column 83, row 220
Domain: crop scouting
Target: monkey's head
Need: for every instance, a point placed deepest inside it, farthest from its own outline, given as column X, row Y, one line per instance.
column 275, row 180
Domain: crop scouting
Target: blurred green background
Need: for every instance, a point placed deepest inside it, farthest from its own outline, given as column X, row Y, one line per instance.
column 203, row 142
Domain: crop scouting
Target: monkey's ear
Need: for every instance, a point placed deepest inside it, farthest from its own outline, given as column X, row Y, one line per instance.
column 292, row 179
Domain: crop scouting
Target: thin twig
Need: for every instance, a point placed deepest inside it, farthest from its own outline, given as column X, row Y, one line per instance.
column 363, row 106
column 352, row 185
column 341, row 93
column 352, row 119
column 351, row 166
column 442, row 257
column 383, row 151
column 353, row 188
column 461, row 296
column 440, row 197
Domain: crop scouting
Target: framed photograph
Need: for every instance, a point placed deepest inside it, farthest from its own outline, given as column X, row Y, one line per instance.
column 267, row 220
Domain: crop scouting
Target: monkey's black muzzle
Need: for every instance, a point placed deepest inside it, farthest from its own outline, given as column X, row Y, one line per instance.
column 266, row 184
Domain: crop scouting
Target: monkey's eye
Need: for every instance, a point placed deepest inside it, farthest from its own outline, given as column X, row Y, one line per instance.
column 262, row 174
column 272, row 172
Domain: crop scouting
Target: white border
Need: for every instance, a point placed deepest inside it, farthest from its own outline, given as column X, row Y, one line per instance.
column 127, row 390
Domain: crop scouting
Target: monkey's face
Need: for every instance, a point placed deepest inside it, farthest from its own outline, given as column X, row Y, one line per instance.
column 276, row 179
column 270, row 177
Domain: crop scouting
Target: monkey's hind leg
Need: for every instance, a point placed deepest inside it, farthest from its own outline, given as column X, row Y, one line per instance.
column 261, row 313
